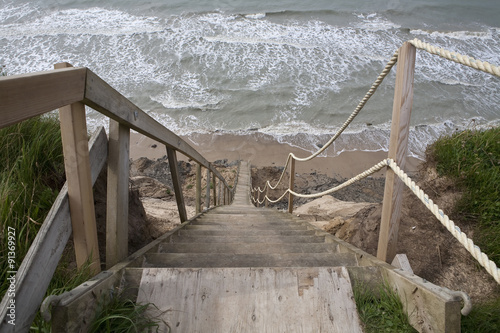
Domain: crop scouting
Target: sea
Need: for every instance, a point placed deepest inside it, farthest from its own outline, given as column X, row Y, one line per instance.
column 293, row 70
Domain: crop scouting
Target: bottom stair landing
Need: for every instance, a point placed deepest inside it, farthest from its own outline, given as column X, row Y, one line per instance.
column 251, row 299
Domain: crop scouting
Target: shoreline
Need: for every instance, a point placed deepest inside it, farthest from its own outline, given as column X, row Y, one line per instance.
column 263, row 150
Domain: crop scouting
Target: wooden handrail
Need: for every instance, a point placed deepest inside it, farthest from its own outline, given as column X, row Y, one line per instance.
column 29, row 95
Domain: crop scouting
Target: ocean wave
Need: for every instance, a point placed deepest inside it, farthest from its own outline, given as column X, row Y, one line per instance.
column 93, row 21
column 461, row 35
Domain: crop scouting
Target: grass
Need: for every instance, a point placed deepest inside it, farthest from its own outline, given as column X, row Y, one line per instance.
column 472, row 159
column 381, row 310
column 31, row 174
column 121, row 315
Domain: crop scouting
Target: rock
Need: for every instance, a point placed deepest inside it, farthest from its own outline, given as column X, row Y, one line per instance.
column 150, row 187
column 328, row 208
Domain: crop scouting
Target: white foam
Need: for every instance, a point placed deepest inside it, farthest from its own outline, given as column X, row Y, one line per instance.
column 94, row 21
column 256, row 16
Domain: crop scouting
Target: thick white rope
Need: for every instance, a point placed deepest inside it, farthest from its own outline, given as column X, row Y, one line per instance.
column 476, row 252
column 457, row 57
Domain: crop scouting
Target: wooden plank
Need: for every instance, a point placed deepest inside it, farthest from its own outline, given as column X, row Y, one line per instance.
column 176, row 180
column 76, row 308
column 291, row 186
column 207, row 196
column 78, row 175
column 198, row 189
column 103, row 98
column 28, row 95
column 400, row 128
column 251, row 300
column 214, row 181
column 44, row 254
column 117, row 193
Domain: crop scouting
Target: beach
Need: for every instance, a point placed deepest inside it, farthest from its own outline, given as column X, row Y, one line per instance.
column 263, row 150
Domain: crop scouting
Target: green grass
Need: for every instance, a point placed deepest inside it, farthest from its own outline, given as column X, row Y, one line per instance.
column 472, row 159
column 31, row 174
column 121, row 315
column 381, row 310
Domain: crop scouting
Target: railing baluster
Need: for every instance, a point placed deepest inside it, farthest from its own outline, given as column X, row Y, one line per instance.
column 214, row 180
column 290, row 186
column 77, row 168
column 207, row 197
column 176, row 180
column 198, row 189
column 117, row 193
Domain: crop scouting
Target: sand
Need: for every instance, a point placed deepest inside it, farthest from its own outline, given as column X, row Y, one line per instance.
column 264, row 150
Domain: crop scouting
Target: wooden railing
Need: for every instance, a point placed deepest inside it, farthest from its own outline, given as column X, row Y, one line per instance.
column 70, row 89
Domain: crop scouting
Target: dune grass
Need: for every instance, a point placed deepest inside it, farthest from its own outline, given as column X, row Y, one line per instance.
column 380, row 310
column 31, row 174
column 472, row 159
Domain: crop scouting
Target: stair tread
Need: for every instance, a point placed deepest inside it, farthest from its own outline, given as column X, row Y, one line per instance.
column 247, row 248
column 247, row 239
column 193, row 260
column 251, row 300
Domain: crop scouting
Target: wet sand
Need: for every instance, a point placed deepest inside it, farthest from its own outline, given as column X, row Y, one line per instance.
column 264, row 150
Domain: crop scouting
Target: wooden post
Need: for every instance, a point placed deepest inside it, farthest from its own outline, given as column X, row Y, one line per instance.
column 266, row 202
column 176, row 180
column 290, row 186
column 78, row 176
column 401, row 113
column 117, row 193
column 214, row 180
column 207, row 197
column 198, row 189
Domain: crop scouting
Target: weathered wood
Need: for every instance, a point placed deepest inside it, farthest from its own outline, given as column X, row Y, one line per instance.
column 198, row 189
column 214, row 181
column 103, row 98
column 400, row 128
column 44, row 254
column 78, row 175
column 291, row 186
column 252, row 300
column 207, row 196
column 28, row 95
column 76, row 308
column 176, row 180
column 117, row 193
column 401, row 261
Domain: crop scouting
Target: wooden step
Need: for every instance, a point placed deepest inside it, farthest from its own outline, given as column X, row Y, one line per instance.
column 247, row 248
column 247, row 239
column 244, row 232
column 195, row 260
column 251, row 300
column 246, row 227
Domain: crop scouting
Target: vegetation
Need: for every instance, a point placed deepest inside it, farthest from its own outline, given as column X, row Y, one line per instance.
column 381, row 311
column 31, row 174
column 472, row 159
column 121, row 315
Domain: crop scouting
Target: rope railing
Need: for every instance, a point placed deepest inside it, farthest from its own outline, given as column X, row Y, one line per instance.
column 457, row 57
column 475, row 251
column 452, row 56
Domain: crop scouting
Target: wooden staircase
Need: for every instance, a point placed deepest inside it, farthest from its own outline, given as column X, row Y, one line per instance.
column 239, row 268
